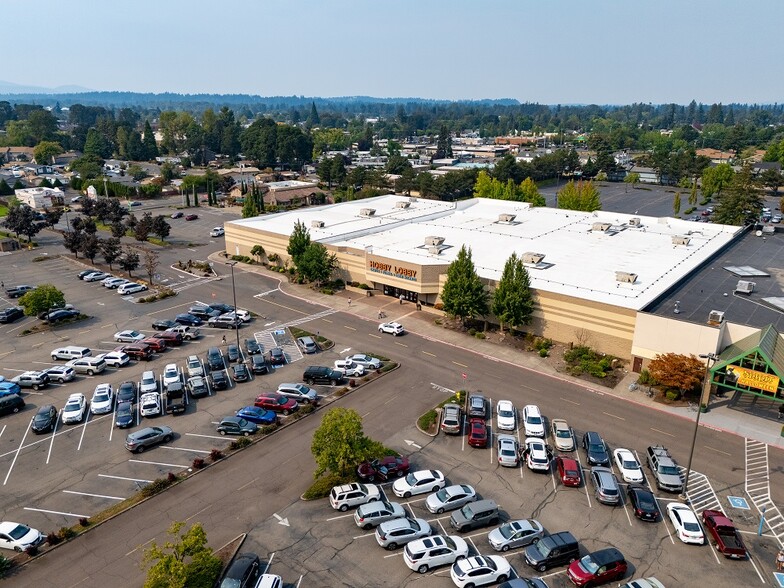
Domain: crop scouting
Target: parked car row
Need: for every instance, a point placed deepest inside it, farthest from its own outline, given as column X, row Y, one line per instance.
column 122, row 285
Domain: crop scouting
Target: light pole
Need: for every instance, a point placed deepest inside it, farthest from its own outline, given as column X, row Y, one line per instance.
column 709, row 359
column 231, row 264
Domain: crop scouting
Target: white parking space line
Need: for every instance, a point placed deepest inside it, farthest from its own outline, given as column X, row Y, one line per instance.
column 397, row 554
column 158, row 463
column 343, row 516
column 2, row 430
column 94, row 495
column 84, row 428
column 57, row 512
column 16, row 454
column 207, row 436
column 269, row 563
column 571, row 402
column 51, row 441
column 184, row 449
column 443, row 529
column 365, row 535
column 124, row 478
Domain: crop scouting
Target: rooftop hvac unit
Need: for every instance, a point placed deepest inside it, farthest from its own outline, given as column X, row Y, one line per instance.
column 600, row 226
column 680, row 240
column 506, row 218
column 625, row 277
column 434, row 241
column 532, row 258
column 745, row 287
column 412, row 199
column 316, row 224
column 435, row 250
column 635, row 222
column 367, row 211
column 402, row 204
column 715, row 317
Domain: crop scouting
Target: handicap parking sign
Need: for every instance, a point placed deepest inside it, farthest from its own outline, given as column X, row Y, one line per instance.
column 738, row 502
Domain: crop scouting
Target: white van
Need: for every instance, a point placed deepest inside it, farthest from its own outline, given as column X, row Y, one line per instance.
column 149, row 383
column 70, row 352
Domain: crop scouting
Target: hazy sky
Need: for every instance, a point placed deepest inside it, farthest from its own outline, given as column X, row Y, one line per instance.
column 549, row 51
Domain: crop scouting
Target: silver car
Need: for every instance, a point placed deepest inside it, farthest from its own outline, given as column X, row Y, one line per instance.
column 508, row 451
column 607, row 491
column 374, row 513
column 299, row 392
column 392, row 534
column 450, row 498
column 515, row 534
column 562, row 435
column 140, row 440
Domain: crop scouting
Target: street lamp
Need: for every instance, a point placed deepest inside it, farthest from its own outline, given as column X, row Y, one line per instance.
column 231, row 264
column 709, row 359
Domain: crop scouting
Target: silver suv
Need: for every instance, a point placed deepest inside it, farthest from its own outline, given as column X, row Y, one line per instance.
column 140, row 440
column 453, row 419
column 607, row 491
column 393, row 534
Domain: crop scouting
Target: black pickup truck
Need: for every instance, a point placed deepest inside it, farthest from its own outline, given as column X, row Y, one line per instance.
column 175, row 398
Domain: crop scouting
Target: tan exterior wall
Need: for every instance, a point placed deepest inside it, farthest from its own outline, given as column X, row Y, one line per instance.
column 657, row 334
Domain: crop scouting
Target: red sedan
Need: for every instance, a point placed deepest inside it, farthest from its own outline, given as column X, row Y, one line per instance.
column 477, row 433
column 597, row 568
column 191, row 217
column 156, row 345
column 276, row 402
column 385, row 468
column 568, row 471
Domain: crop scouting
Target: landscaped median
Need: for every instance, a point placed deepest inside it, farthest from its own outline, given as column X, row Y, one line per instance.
column 428, row 422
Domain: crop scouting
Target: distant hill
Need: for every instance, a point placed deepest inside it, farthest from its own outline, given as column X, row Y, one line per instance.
column 9, row 88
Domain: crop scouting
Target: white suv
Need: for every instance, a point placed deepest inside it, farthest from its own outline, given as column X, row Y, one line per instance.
column 348, row 495
column 150, row 404
column 533, row 421
column 195, row 368
column 424, row 554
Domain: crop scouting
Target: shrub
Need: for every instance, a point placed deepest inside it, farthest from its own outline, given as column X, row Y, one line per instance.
column 321, row 487
column 84, row 521
column 327, row 291
column 480, row 335
column 267, row 429
column 341, row 391
column 5, row 565
column 306, row 409
column 31, row 550
column 438, row 306
column 239, row 443
column 543, row 353
column 364, row 287
column 171, row 478
column 672, row 395
column 352, row 383
column 472, row 331
column 67, row 533
column 156, row 486
column 216, row 454
column 542, row 343
column 53, row 538
column 198, row 463
column 646, row 379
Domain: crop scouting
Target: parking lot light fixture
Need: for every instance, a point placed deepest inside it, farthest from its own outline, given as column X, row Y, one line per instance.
column 231, row 264
column 709, row 358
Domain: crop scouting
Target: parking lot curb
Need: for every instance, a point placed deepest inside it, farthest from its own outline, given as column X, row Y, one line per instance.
column 234, row 553
column 438, row 418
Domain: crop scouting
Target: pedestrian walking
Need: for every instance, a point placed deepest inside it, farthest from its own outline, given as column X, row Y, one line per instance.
column 419, row 306
column 780, row 560
column 224, row 340
column 402, row 298
column 349, row 301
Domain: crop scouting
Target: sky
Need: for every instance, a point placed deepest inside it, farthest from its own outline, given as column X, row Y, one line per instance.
column 546, row 51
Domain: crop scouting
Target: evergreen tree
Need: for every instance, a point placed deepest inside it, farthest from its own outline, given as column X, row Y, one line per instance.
column 96, row 145
column 5, row 189
column 249, row 208
column 676, row 204
column 148, row 142
column 741, row 202
column 513, row 302
column 444, row 144
column 129, row 261
column 110, row 250
column 313, row 118
column 299, row 241
column 464, row 295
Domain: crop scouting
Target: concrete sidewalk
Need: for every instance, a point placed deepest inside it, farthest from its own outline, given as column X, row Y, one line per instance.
column 721, row 415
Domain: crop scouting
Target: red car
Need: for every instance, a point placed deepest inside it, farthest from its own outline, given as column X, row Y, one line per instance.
column 597, row 568
column 191, row 217
column 169, row 338
column 385, row 468
column 568, row 471
column 155, row 344
column 477, row 433
column 276, row 402
column 137, row 351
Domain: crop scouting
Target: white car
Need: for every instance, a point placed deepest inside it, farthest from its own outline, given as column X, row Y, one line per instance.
column 431, row 552
column 562, row 435
column 537, row 455
column 480, row 570
column 533, row 421
column 150, row 404
column 128, row 336
column 394, row 329
column 419, row 482
column 350, row 368
column 113, row 283
column 115, row 358
column 347, row 496
column 505, row 415
column 131, row 288
column 366, row 361
column 628, row 465
column 74, row 409
column 242, row 315
column 217, row 232
column 450, row 498
column 687, row 526
column 171, row 375
column 95, row 277
column 508, row 451
column 19, row 537
column 103, row 399
column 194, row 366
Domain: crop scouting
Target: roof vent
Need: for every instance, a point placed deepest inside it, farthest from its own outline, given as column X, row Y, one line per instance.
column 367, row 211
column 625, row 277
column 435, row 250
column 680, row 240
column 716, row 317
column 506, row 218
column 635, row 221
column 745, row 287
column 532, row 258
column 434, row 241
column 412, row 199
column 316, row 224
column 600, row 226
column 402, row 204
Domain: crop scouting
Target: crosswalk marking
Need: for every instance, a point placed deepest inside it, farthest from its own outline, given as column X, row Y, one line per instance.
column 270, row 338
column 758, row 487
column 700, row 493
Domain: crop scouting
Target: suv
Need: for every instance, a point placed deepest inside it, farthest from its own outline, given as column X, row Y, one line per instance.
column 374, row 513
column 307, row 344
column 225, row 321
column 243, row 572
column 477, row 406
column 203, row 312
column 149, row 382
column 215, row 359
column 87, row 365
column 197, row 386
column 391, row 534
column 299, row 392
column 553, row 550
column 316, row 374
column 452, row 420
column 137, row 351
column 343, row 497
column 607, row 491
column 194, row 366
column 34, row 380
column 431, row 552
column 150, row 404
column 474, row 515
column 60, row 373
column 140, row 440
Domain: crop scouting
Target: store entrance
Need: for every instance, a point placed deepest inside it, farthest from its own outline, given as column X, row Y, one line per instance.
column 397, row 292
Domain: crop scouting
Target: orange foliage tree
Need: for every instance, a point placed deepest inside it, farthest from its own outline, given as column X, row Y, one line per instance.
column 674, row 370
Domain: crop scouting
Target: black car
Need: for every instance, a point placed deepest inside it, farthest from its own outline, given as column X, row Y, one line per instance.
column 232, row 353
column 259, row 365
column 126, row 392
column 276, row 356
column 61, row 315
column 643, row 502
column 9, row 315
column 596, row 449
column 188, row 320
column 44, row 420
column 252, row 347
column 124, row 415
column 243, row 572
column 316, row 374
column 203, row 312
column 162, row 325
column 219, row 380
column 239, row 372
column 222, row 308
column 83, row 273
column 215, row 359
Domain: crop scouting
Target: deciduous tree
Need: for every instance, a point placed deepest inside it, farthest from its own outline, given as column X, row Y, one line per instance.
column 129, row 261
column 580, row 196
column 339, row 443
column 45, row 151
column 111, row 250
column 741, row 202
column 150, row 263
column 676, row 204
column 143, row 227
column 674, row 370
column 317, row 264
column 185, row 561
column 41, row 299
column 161, row 227
column 715, row 179
column 299, row 241
column 464, row 294
column 90, row 246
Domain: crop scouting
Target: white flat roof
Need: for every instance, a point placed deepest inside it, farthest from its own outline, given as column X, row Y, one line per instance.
column 578, row 261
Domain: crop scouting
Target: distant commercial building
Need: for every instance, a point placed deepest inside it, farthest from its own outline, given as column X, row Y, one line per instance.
column 39, row 198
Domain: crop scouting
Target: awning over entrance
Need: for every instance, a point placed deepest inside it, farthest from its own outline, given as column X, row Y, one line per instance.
column 754, row 365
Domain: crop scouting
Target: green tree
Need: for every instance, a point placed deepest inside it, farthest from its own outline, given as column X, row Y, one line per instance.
column 52, row 216
column 258, row 251
column 42, row 125
column 715, row 179
column 143, row 227
column 771, row 179
column 313, row 118
column 464, row 295
column 185, row 561
column 168, row 172
column 339, row 443
column 90, row 246
column 21, row 220
column 45, row 151
column 676, row 204
column 41, row 299
column 249, row 207
column 580, row 196
column 741, row 202
column 5, row 189
column 299, row 241
column 137, row 172
column 317, row 264
column 96, row 145
column 111, row 250
column 118, row 229
column 693, row 194
column 633, row 179
column 129, row 261
column 161, row 227
column 150, row 147
column 396, row 164
column 338, row 169
column 72, row 241
column 513, row 302
column 530, row 193
column 444, row 144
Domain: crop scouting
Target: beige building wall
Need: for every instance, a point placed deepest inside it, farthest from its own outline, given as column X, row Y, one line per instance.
column 658, row 334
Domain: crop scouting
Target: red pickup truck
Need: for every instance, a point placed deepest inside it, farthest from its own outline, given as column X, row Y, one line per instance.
column 724, row 533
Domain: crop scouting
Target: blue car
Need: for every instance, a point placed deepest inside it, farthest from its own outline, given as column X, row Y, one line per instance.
column 7, row 388
column 260, row 416
column 188, row 320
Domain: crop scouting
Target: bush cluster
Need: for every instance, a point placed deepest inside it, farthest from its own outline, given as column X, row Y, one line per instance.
column 321, row 487
column 582, row 359
column 240, row 442
column 156, row 486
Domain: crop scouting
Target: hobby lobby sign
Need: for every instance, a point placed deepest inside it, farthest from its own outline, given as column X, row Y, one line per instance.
column 390, row 269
